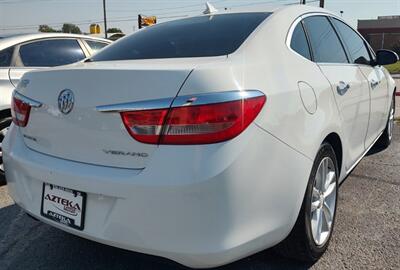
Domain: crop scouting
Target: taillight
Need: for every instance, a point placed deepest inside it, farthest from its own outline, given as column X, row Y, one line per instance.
column 194, row 124
column 21, row 108
column 145, row 126
column 20, row 111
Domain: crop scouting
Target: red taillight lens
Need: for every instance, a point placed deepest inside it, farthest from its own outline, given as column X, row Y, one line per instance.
column 201, row 124
column 20, row 112
column 145, row 126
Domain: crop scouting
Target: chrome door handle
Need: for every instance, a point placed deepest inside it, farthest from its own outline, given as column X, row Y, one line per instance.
column 374, row 84
column 342, row 88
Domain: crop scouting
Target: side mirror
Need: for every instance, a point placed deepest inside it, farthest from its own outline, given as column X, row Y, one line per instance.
column 386, row 57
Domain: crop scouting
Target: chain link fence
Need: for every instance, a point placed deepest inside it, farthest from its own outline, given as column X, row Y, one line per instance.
column 389, row 41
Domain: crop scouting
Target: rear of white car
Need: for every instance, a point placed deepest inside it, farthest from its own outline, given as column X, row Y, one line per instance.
column 144, row 163
column 203, row 157
column 202, row 204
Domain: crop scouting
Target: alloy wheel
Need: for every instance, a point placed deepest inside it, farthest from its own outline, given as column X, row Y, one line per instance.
column 323, row 202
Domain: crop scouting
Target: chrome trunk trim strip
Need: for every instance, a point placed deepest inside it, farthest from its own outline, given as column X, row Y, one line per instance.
column 31, row 102
column 181, row 101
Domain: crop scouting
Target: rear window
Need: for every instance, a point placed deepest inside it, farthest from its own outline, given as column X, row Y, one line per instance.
column 203, row 36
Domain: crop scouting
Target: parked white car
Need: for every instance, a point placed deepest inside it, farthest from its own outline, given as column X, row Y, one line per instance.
column 206, row 139
column 26, row 52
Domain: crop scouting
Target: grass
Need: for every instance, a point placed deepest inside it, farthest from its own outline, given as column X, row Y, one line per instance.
column 394, row 68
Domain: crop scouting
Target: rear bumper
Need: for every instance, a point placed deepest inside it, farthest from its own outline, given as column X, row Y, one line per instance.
column 202, row 206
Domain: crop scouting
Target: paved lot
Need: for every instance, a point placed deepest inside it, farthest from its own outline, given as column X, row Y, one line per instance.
column 367, row 233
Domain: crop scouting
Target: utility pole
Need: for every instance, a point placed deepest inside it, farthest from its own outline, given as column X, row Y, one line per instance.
column 105, row 18
column 322, row 3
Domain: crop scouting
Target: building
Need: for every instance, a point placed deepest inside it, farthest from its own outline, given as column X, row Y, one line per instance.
column 382, row 33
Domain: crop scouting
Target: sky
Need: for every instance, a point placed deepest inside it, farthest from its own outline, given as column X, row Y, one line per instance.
column 24, row 16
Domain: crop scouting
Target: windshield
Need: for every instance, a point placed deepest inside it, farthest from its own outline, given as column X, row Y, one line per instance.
column 203, row 36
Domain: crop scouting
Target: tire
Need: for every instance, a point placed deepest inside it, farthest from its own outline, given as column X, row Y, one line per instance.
column 303, row 242
column 4, row 125
column 386, row 138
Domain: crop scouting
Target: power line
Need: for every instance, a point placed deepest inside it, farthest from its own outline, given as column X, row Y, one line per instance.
column 81, row 22
column 131, row 18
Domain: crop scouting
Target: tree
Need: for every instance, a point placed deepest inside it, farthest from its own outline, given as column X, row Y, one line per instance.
column 114, row 30
column 44, row 28
column 71, row 28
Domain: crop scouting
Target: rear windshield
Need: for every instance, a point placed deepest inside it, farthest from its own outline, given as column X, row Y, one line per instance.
column 202, row 36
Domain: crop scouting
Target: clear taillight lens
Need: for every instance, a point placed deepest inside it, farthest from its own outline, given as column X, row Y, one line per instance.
column 20, row 112
column 198, row 124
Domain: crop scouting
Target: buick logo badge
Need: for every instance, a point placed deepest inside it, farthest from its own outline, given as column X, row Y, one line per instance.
column 66, row 101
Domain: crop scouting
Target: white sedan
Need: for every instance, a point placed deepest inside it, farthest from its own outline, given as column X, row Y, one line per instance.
column 206, row 139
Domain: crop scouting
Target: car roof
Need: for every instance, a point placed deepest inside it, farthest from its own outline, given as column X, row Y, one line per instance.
column 14, row 39
column 273, row 8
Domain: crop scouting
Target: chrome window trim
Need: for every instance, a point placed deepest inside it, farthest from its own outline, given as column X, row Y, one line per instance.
column 31, row 102
column 366, row 44
column 181, row 101
column 314, row 14
column 328, row 15
column 290, row 36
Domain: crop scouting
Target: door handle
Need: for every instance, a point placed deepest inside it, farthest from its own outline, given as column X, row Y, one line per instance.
column 342, row 88
column 374, row 84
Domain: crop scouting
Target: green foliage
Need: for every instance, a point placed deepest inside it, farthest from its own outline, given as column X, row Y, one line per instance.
column 394, row 68
column 114, row 30
column 71, row 28
column 44, row 28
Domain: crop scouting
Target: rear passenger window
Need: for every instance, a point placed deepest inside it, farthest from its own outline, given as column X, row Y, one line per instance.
column 5, row 57
column 355, row 44
column 50, row 53
column 299, row 42
column 95, row 45
column 325, row 44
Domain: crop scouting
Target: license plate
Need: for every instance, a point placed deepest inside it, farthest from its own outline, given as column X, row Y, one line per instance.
column 63, row 205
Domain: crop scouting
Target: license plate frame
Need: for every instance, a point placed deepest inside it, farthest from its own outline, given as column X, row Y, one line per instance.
column 64, row 206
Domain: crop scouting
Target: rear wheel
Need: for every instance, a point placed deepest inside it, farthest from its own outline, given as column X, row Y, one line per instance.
column 386, row 139
column 311, row 234
column 4, row 126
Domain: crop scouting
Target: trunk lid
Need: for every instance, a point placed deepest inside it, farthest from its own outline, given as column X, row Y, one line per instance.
column 86, row 135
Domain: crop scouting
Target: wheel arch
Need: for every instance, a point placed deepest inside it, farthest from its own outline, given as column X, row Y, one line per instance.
column 334, row 140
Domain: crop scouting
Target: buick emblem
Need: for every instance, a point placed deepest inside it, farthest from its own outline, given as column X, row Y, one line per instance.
column 66, row 101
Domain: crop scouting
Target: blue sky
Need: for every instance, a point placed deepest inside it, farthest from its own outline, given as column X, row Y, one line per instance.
column 25, row 15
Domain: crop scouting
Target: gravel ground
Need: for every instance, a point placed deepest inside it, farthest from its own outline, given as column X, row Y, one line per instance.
column 367, row 232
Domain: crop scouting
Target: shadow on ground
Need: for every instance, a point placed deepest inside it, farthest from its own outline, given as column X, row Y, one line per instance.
column 29, row 244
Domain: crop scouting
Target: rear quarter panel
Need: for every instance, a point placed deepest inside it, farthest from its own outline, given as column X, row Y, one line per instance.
column 270, row 66
column 264, row 62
